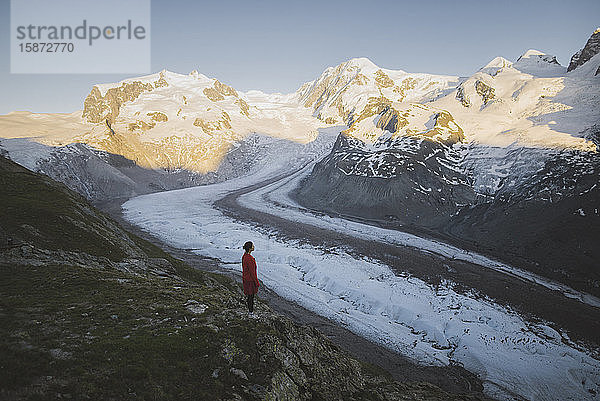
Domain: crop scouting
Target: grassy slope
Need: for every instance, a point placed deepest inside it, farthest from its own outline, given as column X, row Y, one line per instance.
column 101, row 331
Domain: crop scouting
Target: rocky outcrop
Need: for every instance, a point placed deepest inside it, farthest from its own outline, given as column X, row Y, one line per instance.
column 462, row 97
column 391, row 120
column 327, row 85
column 591, row 48
column 445, row 131
column 244, row 107
column 218, row 91
column 99, row 107
column 383, row 80
column 375, row 106
column 158, row 116
column 210, row 127
column 485, row 91
column 406, row 85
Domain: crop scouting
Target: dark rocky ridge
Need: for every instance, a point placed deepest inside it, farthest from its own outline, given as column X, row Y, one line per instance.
column 591, row 48
column 412, row 186
column 547, row 222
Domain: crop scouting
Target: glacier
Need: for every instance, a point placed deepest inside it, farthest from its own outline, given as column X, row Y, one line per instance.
column 514, row 357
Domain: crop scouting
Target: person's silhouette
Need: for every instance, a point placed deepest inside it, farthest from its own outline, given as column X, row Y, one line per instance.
column 249, row 276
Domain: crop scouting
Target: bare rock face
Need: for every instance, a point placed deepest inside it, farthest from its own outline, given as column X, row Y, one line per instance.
column 219, row 91
column 462, row 97
column 591, row 48
column 445, row 130
column 391, row 120
column 98, row 108
column 485, row 91
column 383, row 80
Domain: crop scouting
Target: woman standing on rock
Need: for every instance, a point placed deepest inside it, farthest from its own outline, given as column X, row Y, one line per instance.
column 249, row 277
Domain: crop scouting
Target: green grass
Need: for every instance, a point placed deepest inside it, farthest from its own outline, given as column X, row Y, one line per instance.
column 48, row 215
column 122, row 339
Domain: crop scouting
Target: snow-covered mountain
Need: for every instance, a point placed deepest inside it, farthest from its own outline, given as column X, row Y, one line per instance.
column 156, row 132
column 190, row 122
column 168, row 130
column 345, row 93
column 507, row 161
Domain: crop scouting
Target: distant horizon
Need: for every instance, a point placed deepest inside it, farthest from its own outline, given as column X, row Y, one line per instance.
column 275, row 48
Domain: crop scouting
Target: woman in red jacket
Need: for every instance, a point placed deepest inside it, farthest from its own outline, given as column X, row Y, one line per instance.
column 249, row 277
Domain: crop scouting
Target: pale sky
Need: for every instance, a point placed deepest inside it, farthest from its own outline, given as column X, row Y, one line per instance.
column 275, row 46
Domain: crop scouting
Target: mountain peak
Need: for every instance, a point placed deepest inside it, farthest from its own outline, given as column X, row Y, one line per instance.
column 540, row 64
column 361, row 60
column 496, row 65
column 362, row 63
column 531, row 53
column 498, row 62
column 533, row 56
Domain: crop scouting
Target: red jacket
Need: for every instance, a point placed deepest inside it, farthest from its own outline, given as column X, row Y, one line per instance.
column 249, row 268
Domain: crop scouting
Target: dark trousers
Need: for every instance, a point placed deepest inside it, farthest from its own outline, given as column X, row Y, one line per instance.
column 250, row 302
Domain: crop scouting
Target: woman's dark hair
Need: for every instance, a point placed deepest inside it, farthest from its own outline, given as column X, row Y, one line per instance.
column 248, row 245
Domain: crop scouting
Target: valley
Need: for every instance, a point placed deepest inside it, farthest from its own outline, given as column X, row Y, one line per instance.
column 452, row 221
column 435, row 308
